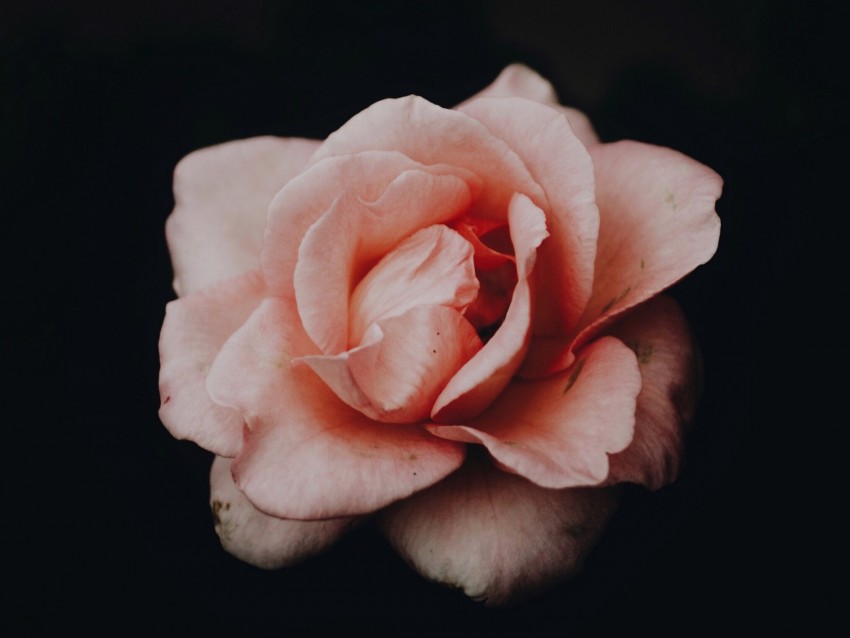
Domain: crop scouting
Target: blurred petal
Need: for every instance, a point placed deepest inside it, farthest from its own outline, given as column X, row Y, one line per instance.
column 221, row 197
column 558, row 161
column 495, row 535
column 658, row 333
column 430, row 135
column 517, row 80
column 259, row 539
column 558, row 431
column 352, row 235
column 475, row 386
column 307, row 455
column 194, row 329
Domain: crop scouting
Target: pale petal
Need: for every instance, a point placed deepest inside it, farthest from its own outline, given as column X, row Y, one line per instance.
column 221, row 197
column 561, row 165
column 475, row 386
column 434, row 266
column 259, row 539
column 517, row 80
column 495, row 535
column 658, row 333
column 305, row 198
column 307, row 455
column 194, row 329
column 430, row 135
column 558, row 431
column 352, row 235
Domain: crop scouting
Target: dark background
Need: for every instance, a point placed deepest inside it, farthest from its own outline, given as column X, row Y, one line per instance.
column 106, row 515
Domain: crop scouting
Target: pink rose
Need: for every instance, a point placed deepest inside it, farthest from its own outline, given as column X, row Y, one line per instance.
column 355, row 315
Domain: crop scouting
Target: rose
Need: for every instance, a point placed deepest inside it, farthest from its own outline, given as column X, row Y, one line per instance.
column 354, row 314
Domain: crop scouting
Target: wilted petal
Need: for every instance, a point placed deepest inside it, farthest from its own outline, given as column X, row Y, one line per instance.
column 307, row 455
column 517, row 80
column 259, row 539
column 495, row 535
column 658, row 333
column 194, row 329
column 558, row 431
column 221, row 197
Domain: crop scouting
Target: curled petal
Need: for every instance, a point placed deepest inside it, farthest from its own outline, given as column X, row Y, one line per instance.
column 307, row 455
column 495, row 535
column 517, row 80
column 658, row 333
column 221, row 197
column 262, row 540
column 195, row 328
column 352, row 235
column 557, row 432
column 397, row 375
column 430, row 135
column 484, row 376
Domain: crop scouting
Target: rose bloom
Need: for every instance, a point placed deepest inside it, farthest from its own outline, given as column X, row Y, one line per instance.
column 448, row 321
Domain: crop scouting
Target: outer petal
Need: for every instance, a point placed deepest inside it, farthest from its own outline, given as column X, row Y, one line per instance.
column 195, row 328
column 340, row 247
column 657, row 224
column 397, row 376
column 221, row 196
column 561, row 165
column 306, row 454
column 495, row 535
column 430, row 135
column 658, row 333
column 475, row 386
column 558, row 432
column 517, row 80
column 259, row 539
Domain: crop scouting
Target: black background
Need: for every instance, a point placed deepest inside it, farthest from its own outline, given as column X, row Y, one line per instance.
column 106, row 515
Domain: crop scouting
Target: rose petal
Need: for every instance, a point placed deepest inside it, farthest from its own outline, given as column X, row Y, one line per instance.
column 261, row 540
column 306, row 197
column 658, row 333
column 430, row 134
column 561, row 165
column 194, row 329
column 517, row 80
column 434, row 266
column 307, row 455
column 221, row 196
column 558, row 432
column 495, row 535
column 352, row 235
column 475, row 386
column 397, row 376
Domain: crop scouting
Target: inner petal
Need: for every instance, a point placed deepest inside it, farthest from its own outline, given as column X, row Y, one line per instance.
column 434, row 266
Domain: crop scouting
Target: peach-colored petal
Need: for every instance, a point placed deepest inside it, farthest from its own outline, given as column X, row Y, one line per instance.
column 434, row 266
column 561, row 165
column 558, row 432
column 305, row 198
column 408, row 360
column 658, row 333
column 475, row 386
column 352, row 235
column 495, row 535
column 262, row 540
column 194, row 329
column 517, row 80
column 307, row 455
column 430, row 135
column 221, row 196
